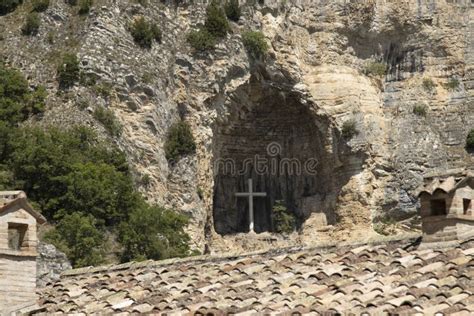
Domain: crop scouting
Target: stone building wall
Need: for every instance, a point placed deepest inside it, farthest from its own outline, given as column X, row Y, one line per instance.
column 17, row 267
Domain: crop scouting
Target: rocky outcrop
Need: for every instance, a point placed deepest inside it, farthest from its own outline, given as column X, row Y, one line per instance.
column 314, row 78
column 50, row 264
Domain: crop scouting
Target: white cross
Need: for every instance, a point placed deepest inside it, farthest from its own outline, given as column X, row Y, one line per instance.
column 250, row 195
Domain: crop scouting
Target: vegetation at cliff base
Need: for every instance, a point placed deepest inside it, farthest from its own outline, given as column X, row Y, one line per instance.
column 80, row 182
column 284, row 221
column 179, row 142
column 255, row 43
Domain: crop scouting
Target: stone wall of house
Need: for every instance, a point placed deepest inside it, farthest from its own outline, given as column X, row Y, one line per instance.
column 319, row 51
column 17, row 267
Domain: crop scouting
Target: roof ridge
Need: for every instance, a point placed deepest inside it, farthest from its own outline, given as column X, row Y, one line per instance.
column 219, row 257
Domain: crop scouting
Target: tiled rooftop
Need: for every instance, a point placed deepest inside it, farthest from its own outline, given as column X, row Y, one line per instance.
column 393, row 277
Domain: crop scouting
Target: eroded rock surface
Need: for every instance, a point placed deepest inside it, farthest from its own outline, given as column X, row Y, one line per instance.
column 314, row 79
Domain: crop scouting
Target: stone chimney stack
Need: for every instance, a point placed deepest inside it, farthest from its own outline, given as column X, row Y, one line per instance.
column 18, row 252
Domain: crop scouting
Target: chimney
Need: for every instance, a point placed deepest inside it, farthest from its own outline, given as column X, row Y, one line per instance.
column 18, row 251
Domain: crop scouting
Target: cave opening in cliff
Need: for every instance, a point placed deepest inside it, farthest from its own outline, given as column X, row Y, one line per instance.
column 273, row 138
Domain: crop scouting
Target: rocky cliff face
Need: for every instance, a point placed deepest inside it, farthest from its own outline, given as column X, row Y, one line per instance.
column 315, row 77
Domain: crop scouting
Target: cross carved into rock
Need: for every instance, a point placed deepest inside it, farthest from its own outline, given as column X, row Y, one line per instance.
column 250, row 194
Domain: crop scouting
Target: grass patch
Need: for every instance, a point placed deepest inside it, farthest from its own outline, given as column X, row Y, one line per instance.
column 452, row 84
column 32, row 24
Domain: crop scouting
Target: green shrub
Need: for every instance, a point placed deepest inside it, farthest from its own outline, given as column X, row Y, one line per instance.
column 428, row 84
column 180, row 142
column 144, row 33
column 71, row 2
column 78, row 236
column 452, row 84
column 85, row 6
column 104, row 89
column 284, row 221
column 470, row 140
column 420, row 109
column 376, row 69
column 216, row 21
column 32, row 24
column 349, row 129
column 255, row 43
column 152, row 232
column 17, row 101
column 232, row 10
column 40, row 5
column 7, row 6
column 108, row 120
column 201, row 40
column 68, row 71
column 156, row 31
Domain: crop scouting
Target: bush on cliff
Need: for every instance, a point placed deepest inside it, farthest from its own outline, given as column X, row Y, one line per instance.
column 470, row 140
column 144, row 32
column 179, row 142
column 32, row 24
column 255, row 43
column 232, row 10
column 68, row 71
column 7, row 6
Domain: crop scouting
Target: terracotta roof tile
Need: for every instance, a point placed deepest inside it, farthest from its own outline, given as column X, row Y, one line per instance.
column 366, row 278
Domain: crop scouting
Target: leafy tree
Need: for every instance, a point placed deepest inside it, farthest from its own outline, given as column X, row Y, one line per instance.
column 152, row 232
column 232, row 10
column 32, row 24
column 470, row 140
column 255, row 43
column 180, row 142
column 284, row 222
column 216, row 21
column 98, row 189
column 68, row 71
column 40, row 5
column 7, row 6
column 108, row 120
column 41, row 161
column 78, row 236
column 17, row 101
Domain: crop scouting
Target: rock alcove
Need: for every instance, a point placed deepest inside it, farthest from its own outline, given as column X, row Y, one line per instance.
column 272, row 136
